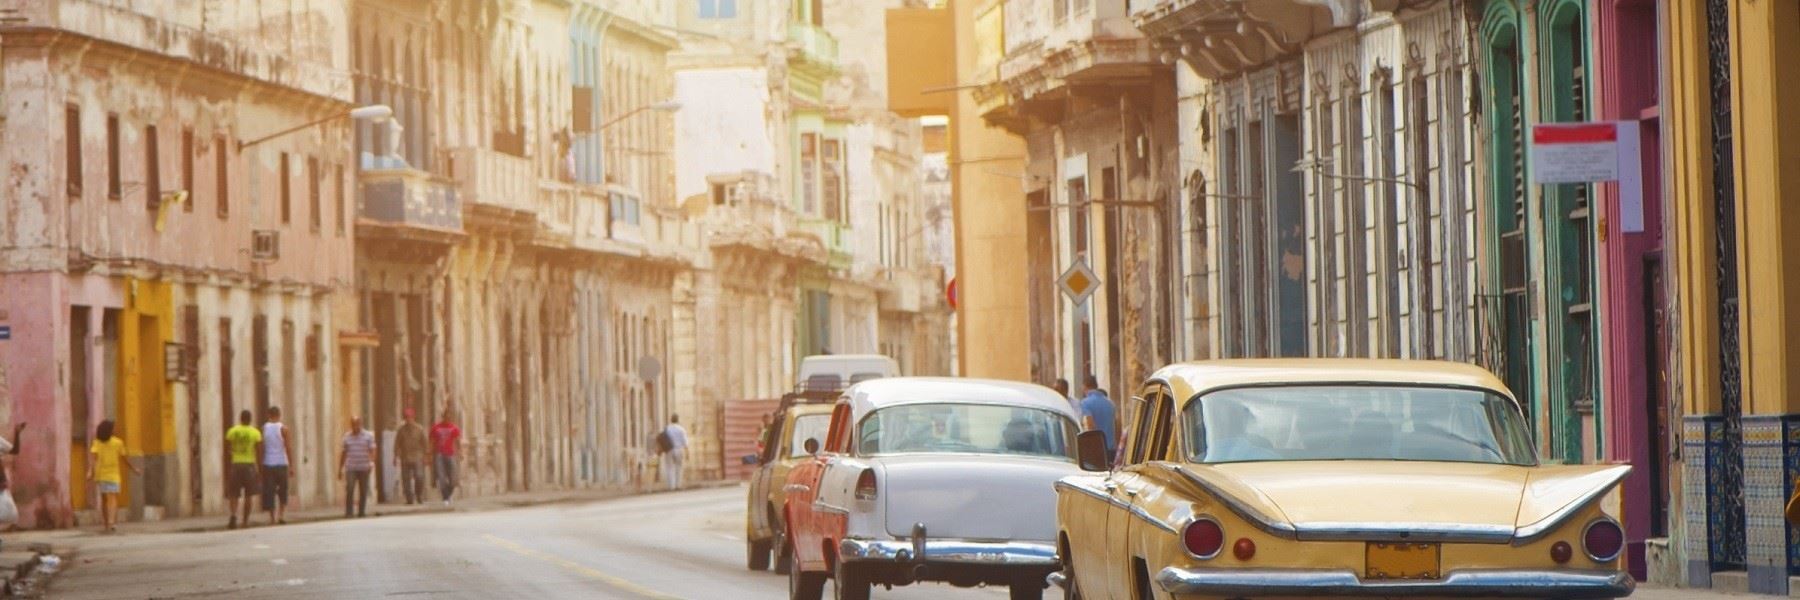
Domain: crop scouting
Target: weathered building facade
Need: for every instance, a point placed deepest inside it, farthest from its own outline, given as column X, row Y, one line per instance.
column 1337, row 141
column 1097, row 110
column 165, row 263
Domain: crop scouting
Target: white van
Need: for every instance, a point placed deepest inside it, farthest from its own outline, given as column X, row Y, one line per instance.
column 839, row 371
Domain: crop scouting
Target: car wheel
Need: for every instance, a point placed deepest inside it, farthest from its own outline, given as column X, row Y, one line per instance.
column 756, row 554
column 783, row 554
column 849, row 584
column 803, row 585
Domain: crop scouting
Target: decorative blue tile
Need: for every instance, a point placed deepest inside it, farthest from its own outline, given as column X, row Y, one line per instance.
column 1695, row 513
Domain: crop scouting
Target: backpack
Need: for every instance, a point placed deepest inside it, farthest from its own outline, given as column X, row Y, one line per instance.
column 664, row 443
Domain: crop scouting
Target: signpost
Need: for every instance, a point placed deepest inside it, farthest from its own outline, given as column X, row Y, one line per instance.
column 1078, row 282
column 1598, row 151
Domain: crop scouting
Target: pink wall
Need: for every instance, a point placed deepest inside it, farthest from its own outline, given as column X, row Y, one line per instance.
column 1626, row 51
column 36, row 360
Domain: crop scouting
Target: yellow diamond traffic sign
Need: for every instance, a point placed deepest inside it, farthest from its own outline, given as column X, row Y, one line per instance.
column 1078, row 281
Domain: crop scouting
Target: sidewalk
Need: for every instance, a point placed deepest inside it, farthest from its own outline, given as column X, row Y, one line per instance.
column 259, row 518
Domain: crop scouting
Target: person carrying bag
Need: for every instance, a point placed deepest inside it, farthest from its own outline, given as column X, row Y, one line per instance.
column 9, row 510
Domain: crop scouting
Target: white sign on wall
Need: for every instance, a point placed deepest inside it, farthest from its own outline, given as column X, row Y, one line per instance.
column 1593, row 152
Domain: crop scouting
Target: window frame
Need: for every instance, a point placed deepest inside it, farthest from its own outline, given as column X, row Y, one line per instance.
column 1192, row 447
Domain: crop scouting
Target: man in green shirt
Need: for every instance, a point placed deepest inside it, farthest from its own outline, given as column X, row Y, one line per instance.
column 240, row 483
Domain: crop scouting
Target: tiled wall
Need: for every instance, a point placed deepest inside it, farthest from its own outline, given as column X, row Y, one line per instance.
column 1771, row 462
column 1697, row 458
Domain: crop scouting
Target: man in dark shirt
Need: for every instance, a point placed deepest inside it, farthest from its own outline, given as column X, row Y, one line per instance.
column 411, row 450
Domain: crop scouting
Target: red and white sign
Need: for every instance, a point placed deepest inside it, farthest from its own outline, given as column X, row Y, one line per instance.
column 1602, row 151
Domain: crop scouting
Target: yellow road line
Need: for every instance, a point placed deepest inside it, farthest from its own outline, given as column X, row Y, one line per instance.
column 578, row 568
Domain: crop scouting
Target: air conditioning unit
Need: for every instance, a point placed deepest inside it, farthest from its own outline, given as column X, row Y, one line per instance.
column 265, row 244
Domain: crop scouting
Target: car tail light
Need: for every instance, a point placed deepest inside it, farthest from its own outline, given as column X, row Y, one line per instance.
column 1203, row 538
column 865, row 485
column 1603, row 540
column 1560, row 552
column 1244, row 549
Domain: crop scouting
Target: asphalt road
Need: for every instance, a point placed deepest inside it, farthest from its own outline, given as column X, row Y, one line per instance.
column 680, row 545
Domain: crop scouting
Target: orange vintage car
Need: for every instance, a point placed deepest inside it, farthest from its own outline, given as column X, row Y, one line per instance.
column 1320, row 477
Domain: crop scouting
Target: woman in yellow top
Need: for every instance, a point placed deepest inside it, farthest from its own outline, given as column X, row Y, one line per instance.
column 107, row 453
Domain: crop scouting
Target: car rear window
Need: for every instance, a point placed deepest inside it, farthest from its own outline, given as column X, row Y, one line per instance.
column 1356, row 422
column 966, row 429
column 807, row 427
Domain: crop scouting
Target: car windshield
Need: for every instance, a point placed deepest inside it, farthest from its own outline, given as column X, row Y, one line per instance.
column 1356, row 422
column 807, row 427
column 968, row 429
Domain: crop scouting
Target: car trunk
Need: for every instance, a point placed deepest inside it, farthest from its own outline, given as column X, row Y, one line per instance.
column 1382, row 493
column 974, row 497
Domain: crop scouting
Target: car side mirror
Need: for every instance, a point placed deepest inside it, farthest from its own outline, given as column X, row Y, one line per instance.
column 811, row 446
column 1090, row 450
column 752, row 459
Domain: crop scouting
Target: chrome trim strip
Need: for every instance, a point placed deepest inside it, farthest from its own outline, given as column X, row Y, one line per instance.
column 1572, row 584
column 1024, row 554
column 1404, row 532
column 1097, row 494
column 1244, row 511
column 827, row 508
column 1144, row 515
column 1135, row 510
column 1589, row 552
column 1556, row 519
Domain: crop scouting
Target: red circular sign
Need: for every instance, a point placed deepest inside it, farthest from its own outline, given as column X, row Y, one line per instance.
column 950, row 293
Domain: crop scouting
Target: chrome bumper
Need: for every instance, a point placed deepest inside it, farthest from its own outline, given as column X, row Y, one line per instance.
column 1040, row 554
column 1483, row 583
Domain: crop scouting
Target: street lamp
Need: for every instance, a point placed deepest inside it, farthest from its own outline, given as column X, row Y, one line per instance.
column 372, row 112
column 664, row 106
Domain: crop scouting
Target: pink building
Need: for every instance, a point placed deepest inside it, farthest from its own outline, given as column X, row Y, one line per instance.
column 1639, row 415
column 155, row 268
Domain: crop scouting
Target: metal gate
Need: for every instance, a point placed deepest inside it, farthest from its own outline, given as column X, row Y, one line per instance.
column 1727, row 543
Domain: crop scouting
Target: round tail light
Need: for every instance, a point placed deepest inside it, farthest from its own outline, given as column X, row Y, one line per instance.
column 1561, row 552
column 1603, row 540
column 1203, row 538
column 1244, row 549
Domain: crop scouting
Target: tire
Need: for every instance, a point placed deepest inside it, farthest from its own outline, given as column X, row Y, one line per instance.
column 783, row 554
column 849, row 584
column 803, row 585
column 756, row 554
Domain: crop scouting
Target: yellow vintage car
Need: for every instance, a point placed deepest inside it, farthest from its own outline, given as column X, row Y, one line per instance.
column 803, row 416
column 1325, row 477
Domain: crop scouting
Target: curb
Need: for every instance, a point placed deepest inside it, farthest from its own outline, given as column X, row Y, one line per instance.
column 477, row 504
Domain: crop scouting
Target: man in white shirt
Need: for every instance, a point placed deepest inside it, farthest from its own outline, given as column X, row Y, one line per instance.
column 674, row 452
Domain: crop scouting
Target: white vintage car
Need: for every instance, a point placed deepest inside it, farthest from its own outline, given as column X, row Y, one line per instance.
column 929, row 479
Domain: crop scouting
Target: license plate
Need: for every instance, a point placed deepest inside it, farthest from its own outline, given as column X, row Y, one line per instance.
column 1400, row 560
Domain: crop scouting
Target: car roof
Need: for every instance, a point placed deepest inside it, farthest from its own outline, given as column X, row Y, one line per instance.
column 876, row 394
column 1205, row 376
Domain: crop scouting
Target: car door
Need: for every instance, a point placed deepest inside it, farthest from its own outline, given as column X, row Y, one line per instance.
column 1149, row 528
column 803, row 484
column 1120, row 486
column 764, row 477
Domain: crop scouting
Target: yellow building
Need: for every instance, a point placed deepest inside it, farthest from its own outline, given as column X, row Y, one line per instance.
column 937, row 59
column 1733, row 155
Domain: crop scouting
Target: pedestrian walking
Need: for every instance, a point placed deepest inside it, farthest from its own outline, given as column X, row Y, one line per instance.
column 1097, row 413
column 672, row 442
column 357, row 458
column 277, row 454
column 445, row 437
column 105, row 456
column 9, row 510
column 411, row 450
column 241, row 444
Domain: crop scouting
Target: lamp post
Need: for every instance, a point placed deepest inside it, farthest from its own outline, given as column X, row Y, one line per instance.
column 372, row 112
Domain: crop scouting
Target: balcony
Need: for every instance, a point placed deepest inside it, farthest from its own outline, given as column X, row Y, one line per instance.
column 494, row 180
column 834, row 236
column 556, row 211
column 1223, row 39
column 408, row 203
column 813, row 44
